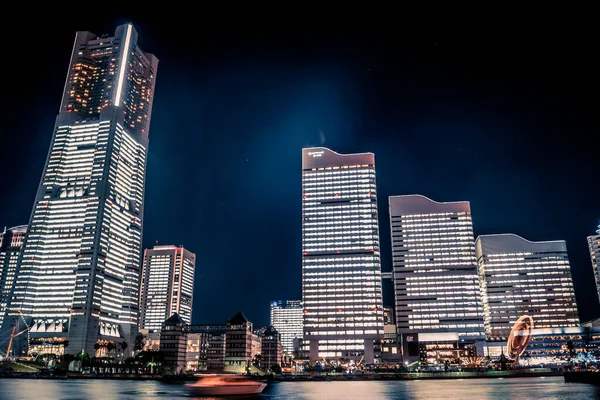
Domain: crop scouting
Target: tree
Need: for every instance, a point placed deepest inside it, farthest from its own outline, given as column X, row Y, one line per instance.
column 139, row 342
column 276, row 369
column 124, row 345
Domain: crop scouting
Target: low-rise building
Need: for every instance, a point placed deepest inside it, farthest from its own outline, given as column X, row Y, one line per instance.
column 271, row 349
column 238, row 344
column 173, row 344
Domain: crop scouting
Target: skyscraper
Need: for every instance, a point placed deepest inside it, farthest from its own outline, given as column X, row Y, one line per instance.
column 287, row 318
column 78, row 276
column 11, row 241
column 341, row 271
column 594, row 245
column 435, row 269
column 167, row 286
column 519, row 277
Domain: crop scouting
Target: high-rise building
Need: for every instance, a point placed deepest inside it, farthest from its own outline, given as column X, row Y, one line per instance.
column 287, row 318
column 341, row 271
column 11, row 242
column 78, row 275
column 435, row 269
column 594, row 245
column 167, row 285
column 519, row 277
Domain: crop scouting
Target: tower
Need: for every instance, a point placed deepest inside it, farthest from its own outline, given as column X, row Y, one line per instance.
column 78, row 274
column 341, row 270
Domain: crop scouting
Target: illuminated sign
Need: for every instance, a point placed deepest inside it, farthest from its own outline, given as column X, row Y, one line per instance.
column 315, row 153
column 410, row 338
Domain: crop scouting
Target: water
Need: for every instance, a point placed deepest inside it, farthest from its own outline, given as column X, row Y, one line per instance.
column 471, row 389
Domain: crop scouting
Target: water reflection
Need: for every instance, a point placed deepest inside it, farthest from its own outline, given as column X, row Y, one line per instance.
column 472, row 389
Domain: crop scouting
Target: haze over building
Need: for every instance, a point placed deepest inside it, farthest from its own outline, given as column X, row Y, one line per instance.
column 519, row 277
column 594, row 245
column 78, row 276
column 167, row 286
column 287, row 318
column 435, row 269
column 341, row 271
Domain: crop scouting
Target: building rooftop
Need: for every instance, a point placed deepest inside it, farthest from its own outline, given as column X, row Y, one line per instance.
column 173, row 320
column 238, row 319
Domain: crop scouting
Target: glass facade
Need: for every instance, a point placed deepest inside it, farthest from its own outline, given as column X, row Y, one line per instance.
column 594, row 245
column 341, row 272
column 435, row 269
column 78, row 275
column 11, row 242
column 519, row 277
column 167, row 286
column 287, row 318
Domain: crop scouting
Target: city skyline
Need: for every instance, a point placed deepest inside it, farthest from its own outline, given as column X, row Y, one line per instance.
column 533, row 212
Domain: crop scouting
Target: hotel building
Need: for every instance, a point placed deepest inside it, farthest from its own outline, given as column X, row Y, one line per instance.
column 167, row 286
column 519, row 277
column 437, row 292
column 594, row 245
column 341, row 271
column 78, row 275
column 287, row 318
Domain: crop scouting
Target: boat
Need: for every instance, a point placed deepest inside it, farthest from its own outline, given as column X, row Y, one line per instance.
column 225, row 385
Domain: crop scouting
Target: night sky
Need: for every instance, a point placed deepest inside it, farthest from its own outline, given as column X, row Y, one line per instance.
column 505, row 121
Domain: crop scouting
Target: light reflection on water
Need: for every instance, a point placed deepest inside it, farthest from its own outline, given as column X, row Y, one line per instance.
column 471, row 389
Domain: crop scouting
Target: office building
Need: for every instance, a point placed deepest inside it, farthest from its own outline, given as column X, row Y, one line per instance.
column 11, row 242
column 287, row 318
column 167, row 285
column 238, row 344
column 437, row 290
column 519, row 277
column 271, row 353
column 594, row 245
column 78, row 276
column 341, row 271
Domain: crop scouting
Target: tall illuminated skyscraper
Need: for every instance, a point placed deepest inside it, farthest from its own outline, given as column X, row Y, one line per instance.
column 79, row 272
column 519, row 277
column 594, row 245
column 341, row 271
column 435, row 269
column 287, row 318
column 167, row 286
column 11, row 242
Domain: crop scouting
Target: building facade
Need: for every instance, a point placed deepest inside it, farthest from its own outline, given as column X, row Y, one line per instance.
column 519, row 277
column 287, row 318
column 173, row 344
column 11, row 243
column 206, row 347
column 437, row 290
column 341, row 270
column 594, row 245
column 272, row 351
column 167, row 285
column 238, row 344
column 78, row 275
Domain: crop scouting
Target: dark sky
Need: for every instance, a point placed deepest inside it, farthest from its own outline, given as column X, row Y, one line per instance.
column 503, row 120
